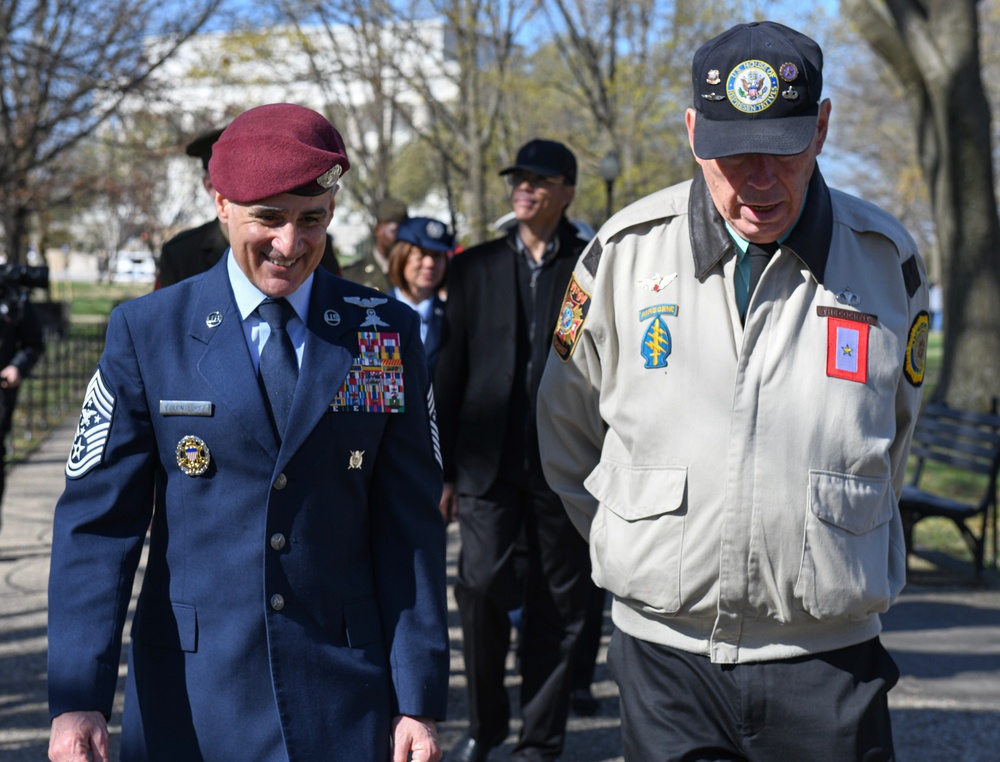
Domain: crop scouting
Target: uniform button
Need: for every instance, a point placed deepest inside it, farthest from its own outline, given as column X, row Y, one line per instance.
column 281, row 481
column 277, row 602
column 277, row 540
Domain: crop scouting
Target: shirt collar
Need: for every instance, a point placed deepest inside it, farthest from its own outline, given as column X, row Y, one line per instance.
column 551, row 249
column 248, row 296
column 424, row 308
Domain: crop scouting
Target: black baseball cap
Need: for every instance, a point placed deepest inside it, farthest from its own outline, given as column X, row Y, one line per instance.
column 757, row 89
column 201, row 146
column 546, row 158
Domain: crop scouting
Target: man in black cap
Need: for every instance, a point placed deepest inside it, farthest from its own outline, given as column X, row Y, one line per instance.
column 271, row 427
column 503, row 300
column 727, row 413
column 372, row 268
column 195, row 250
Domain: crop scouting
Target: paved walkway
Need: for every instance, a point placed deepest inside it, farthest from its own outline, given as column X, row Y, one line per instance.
column 944, row 633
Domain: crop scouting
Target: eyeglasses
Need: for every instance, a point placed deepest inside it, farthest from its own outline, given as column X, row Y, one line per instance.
column 533, row 179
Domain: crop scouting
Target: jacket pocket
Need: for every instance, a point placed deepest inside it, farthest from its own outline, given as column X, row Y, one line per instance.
column 166, row 624
column 638, row 532
column 845, row 558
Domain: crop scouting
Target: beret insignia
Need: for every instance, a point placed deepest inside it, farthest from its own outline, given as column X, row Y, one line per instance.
column 329, row 178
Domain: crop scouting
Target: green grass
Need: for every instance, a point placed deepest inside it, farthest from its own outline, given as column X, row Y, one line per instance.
column 95, row 298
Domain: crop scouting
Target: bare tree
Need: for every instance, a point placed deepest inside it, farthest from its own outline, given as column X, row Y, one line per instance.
column 933, row 47
column 65, row 68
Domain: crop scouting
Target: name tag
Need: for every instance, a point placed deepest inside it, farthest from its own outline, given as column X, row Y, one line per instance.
column 186, row 407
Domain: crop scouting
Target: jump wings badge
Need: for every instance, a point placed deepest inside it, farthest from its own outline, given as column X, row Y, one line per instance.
column 193, row 456
column 372, row 320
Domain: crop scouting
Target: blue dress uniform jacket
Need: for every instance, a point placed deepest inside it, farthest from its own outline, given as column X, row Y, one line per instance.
column 294, row 595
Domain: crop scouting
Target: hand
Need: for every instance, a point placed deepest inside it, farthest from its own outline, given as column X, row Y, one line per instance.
column 10, row 377
column 449, row 502
column 416, row 736
column 74, row 735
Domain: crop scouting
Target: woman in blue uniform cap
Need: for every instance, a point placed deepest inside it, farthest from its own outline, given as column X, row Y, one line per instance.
column 418, row 269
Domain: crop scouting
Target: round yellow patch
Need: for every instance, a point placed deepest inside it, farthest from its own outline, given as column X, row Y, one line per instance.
column 915, row 362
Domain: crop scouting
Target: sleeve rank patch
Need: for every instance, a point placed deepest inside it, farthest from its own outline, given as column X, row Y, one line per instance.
column 915, row 362
column 92, row 431
column 571, row 318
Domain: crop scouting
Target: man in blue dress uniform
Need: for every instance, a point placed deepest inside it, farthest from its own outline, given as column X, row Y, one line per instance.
column 286, row 465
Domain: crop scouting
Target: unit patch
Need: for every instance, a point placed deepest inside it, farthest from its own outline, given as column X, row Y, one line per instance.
column 915, row 362
column 92, row 431
column 375, row 381
column 576, row 304
column 847, row 349
column 656, row 341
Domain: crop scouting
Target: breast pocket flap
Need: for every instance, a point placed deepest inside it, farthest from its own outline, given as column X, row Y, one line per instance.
column 856, row 504
column 638, row 492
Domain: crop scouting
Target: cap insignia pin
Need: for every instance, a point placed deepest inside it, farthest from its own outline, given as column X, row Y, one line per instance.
column 193, row 456
column 214, row 320
column 356, row 458
column 791, row 94
column 329, row 178
column 712, row 96
column 788, row 72
column 714, row 77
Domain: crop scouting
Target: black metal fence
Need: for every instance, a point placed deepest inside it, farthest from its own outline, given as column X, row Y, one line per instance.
column 57, row 383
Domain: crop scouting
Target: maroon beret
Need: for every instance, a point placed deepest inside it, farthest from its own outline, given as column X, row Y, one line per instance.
column 279, row 148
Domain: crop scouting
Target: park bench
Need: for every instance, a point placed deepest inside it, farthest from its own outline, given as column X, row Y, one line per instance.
column 967, row 443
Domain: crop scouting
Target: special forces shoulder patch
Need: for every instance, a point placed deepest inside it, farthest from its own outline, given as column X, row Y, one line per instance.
column 915, row 362
column 572, row 315
column 92, row 431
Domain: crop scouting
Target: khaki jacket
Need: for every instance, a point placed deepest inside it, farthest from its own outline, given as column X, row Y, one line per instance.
column 738, row 484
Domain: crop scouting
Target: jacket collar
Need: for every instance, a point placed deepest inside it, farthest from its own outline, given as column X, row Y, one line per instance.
column 567, row 236
column 809, row 240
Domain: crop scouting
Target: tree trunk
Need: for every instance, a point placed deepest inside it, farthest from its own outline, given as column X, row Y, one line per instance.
column 933, row 47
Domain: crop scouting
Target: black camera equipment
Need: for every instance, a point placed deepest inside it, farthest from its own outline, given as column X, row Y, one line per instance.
column 15, row 282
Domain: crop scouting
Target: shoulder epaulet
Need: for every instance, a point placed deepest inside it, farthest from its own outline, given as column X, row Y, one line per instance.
column 661, row 205
column 911, row 275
